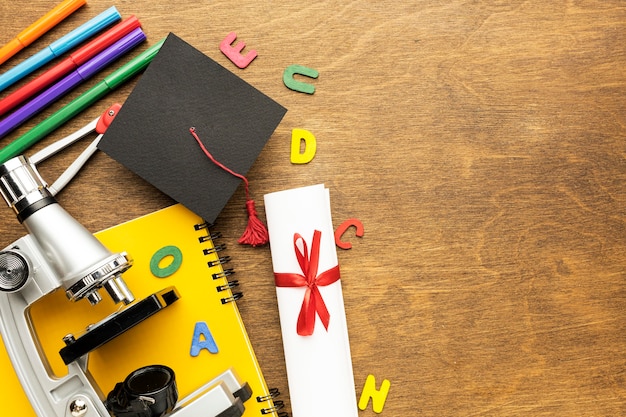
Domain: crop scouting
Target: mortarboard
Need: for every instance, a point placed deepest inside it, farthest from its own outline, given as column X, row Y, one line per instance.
column 180, row 89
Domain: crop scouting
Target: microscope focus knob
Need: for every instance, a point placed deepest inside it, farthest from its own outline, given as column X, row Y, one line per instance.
column 14, row 271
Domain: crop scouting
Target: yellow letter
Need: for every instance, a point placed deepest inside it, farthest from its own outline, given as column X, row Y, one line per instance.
column 310, row 146
column 378, row 396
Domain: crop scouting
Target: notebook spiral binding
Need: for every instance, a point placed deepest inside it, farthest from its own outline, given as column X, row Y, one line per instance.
column 226, row 273
column 276, row 404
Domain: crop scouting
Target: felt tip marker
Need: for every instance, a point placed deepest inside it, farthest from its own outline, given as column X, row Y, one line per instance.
column 109, row 83
column 59, row 47
column 83, row 73
column 69, row 64
column 41, row 26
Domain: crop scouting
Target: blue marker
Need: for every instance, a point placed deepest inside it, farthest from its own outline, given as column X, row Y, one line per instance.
column 70, row 81
column 59, row 47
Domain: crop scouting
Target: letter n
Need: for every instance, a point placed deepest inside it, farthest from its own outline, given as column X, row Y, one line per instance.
column 378, row 396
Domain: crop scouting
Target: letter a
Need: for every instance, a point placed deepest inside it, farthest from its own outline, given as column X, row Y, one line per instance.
column 310, row 146
column 378, row 396
column 202, row 331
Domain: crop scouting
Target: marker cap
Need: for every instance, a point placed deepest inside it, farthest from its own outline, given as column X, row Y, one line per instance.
column 11, row 48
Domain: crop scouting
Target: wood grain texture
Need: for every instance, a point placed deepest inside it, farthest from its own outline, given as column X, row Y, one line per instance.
column 482, row 145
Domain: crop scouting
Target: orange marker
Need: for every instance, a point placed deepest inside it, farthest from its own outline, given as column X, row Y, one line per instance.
column 41, row 26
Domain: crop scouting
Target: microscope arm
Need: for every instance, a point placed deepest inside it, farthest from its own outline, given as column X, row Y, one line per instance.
column 49, row 396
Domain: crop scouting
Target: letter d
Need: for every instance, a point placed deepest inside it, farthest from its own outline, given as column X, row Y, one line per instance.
column 310, row 146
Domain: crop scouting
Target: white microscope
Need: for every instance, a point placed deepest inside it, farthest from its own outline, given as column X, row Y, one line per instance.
column 59, row 252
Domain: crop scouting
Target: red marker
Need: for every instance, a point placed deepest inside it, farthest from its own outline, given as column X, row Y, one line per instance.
column 69, row 64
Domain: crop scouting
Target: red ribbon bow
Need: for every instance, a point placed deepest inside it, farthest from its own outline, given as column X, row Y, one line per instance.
column 313, row 301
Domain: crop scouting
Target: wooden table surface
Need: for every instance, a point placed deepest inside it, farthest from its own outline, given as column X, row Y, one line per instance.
column 483, row 147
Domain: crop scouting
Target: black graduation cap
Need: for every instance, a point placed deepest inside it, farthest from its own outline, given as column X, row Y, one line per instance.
column 180, row 89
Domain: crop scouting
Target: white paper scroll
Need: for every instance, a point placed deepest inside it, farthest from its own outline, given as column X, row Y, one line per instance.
column 319, row 367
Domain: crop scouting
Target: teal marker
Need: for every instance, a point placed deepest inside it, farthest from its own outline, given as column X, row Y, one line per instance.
column 80, row 103
column 59, row 47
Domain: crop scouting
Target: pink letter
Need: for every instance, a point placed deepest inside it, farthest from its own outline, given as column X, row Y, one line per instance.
column 234, row 52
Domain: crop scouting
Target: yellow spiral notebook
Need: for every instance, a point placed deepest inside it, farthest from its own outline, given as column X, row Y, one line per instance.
column 207, row 297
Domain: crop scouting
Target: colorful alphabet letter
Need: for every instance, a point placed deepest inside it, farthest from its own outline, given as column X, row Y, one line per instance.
column 202, row 339
column 378, row 396
column 342, row 229
column 157, row 261
column 299, row 136
column 292, row 84
column 234, row 52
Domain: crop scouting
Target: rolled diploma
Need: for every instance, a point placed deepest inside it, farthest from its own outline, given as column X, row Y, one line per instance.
column 319, row 367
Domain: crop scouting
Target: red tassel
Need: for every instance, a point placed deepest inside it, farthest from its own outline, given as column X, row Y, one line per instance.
column 256, row 233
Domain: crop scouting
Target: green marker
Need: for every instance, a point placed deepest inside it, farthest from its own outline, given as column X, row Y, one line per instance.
column 109, row 83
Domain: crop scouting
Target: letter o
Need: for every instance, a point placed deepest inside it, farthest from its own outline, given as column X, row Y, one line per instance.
column 164, row 252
